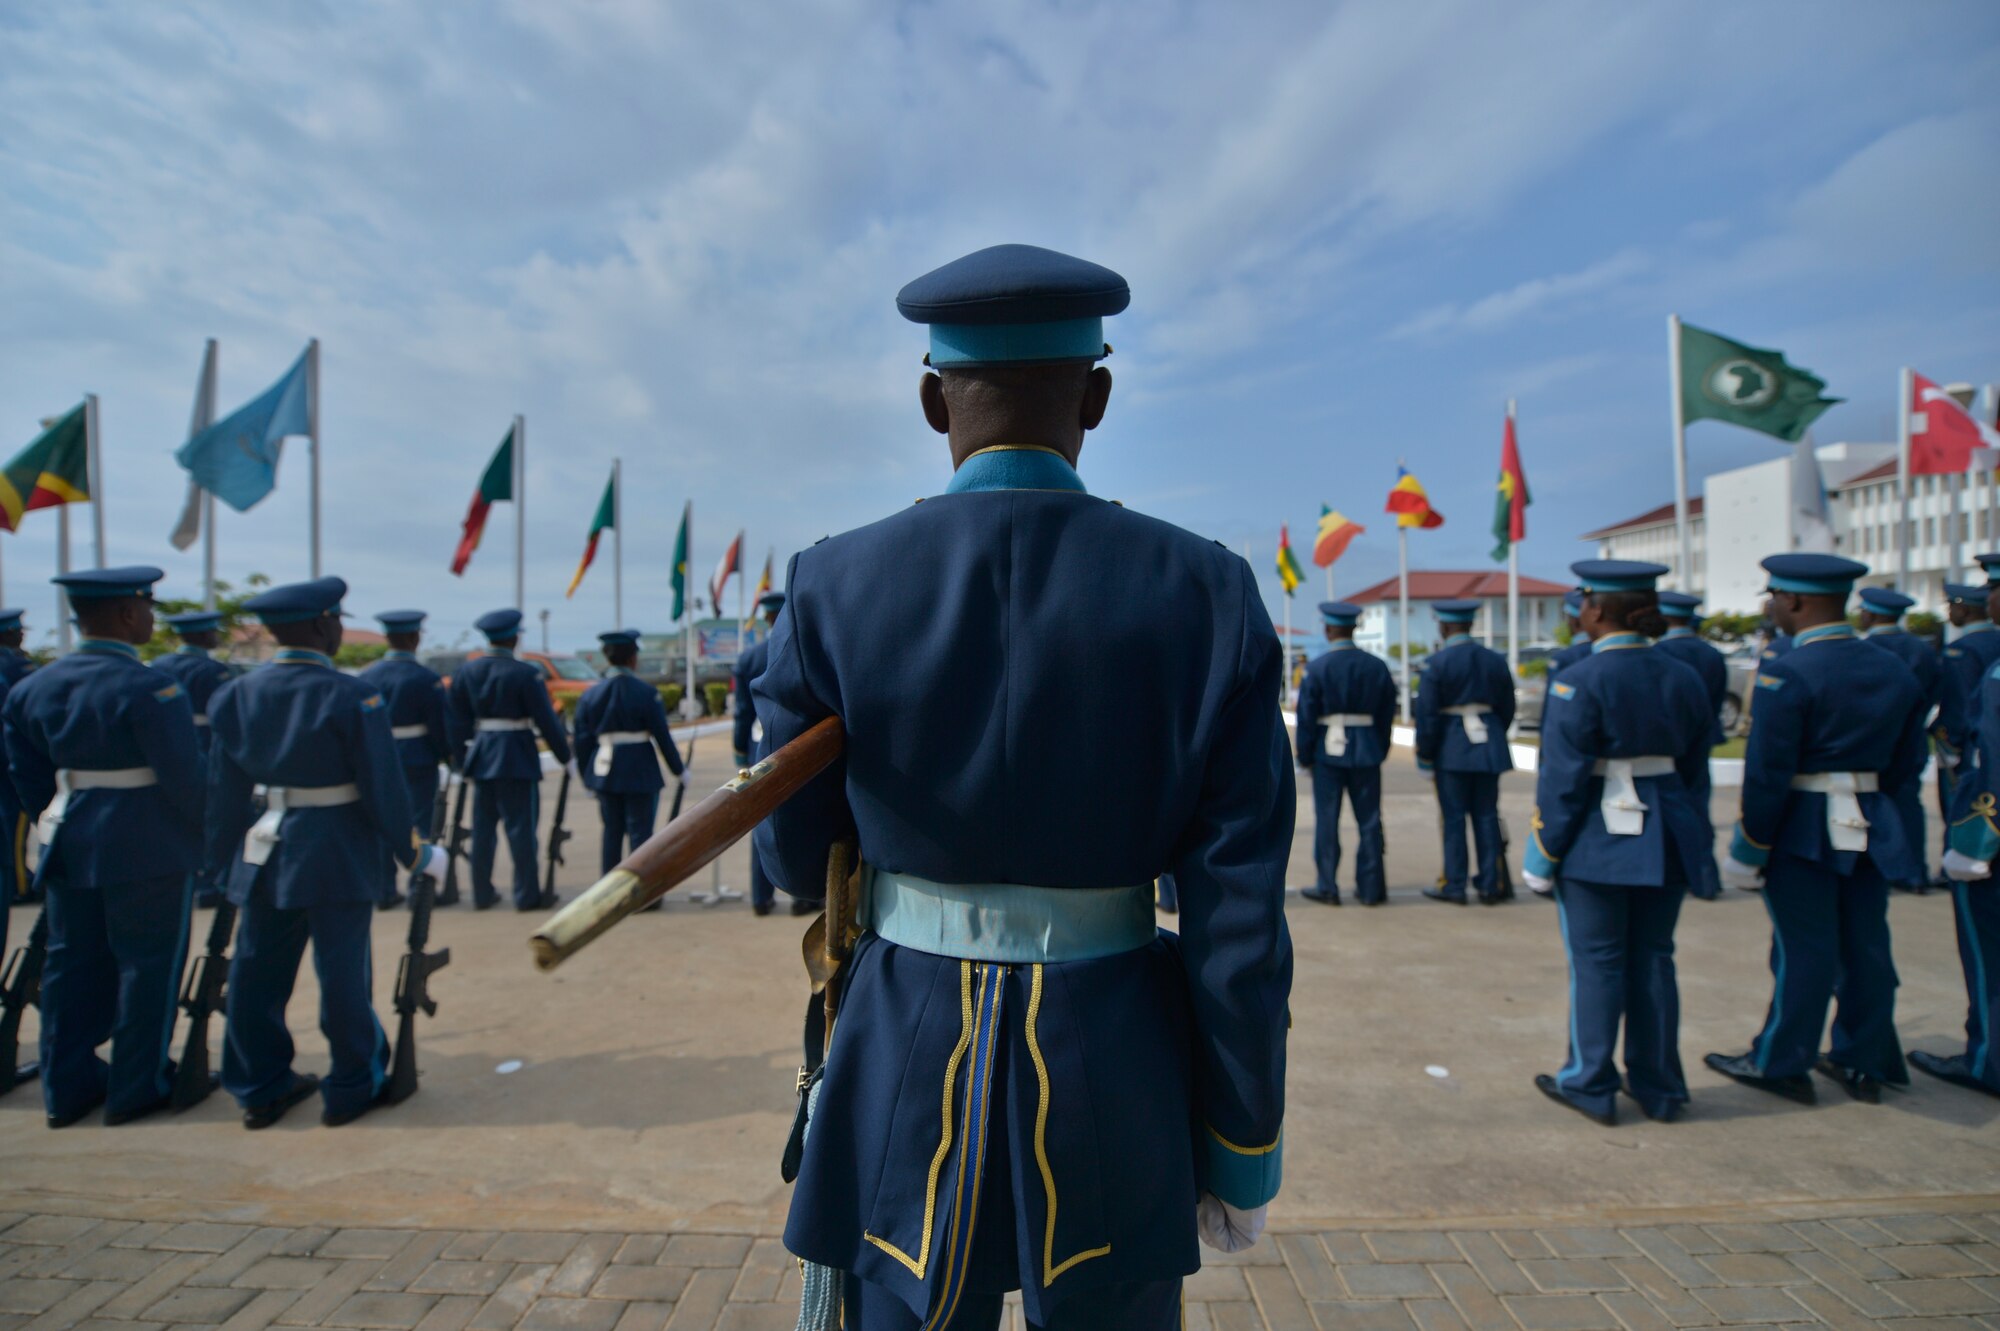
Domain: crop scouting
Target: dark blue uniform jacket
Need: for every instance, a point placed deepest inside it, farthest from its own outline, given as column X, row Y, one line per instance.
column 1685, row 646
column 749, row 665
column 416, row 697
column 1346, row 680
column 623, row 701
column 1458, row 673
column 201, row 675
column 499, row 686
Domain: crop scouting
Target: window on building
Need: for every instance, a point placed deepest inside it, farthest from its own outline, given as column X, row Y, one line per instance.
column 1930, row 531
column 1982, row 524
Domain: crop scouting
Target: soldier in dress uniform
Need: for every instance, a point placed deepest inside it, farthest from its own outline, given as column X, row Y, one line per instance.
column 619, row 722
column 104, row 752
column 416, row 698
column 497, row 704
column 1346, row 705
column 1463, row 708
column 1621, row 834
column 1014, row 802
column 749, row 665
column 1579, row 642
column 312, row 866
column 1881, row 623
column 14, row 878
column 1968, row 654
column 1684, row 643
column 200, row 632
column 1835, row 726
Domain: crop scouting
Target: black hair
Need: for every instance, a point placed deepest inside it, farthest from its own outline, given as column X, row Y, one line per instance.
column 1636, row 612
column 621, row 653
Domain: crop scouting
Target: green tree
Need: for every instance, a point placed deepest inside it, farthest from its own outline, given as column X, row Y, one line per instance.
column 1729, row 628
column 228, row 602
column 355, row 655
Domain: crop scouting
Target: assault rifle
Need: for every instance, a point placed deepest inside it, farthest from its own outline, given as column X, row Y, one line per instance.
column 21, row 987
column 413, row 990
column 557, row 835
column 201, row 998
column 454, row 847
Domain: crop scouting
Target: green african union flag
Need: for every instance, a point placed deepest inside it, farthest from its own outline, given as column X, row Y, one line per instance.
column 1723, row 380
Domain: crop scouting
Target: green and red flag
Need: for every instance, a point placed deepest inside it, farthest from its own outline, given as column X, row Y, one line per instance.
column 1336, row 532
column 1510, row 501
column 496, row 486
column 1726, row 380
column 1409, row 502
column 607, row 517
column 681, row 562
column 1289, row 572
column 53, row 470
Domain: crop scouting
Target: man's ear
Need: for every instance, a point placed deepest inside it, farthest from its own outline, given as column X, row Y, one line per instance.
column 930, row 392
column 1096, row 397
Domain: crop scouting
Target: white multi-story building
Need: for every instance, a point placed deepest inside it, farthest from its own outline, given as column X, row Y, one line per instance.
column 1745, row 514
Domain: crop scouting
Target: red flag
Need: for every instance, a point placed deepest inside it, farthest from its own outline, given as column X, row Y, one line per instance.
column 731, row 565
column 496, row 486
column 1942, row 433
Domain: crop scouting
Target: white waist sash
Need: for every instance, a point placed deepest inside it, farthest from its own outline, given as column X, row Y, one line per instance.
column 1473, row 715
column 1336, row 729
column 263, row 836
column 70, row 779
column 417, row 731
column 201, row 718
column 1846, row 829
column 601, row 764
column 487, row 723
column 1624, row 812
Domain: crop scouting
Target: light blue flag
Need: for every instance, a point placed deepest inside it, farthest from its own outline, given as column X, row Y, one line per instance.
column 236, row 459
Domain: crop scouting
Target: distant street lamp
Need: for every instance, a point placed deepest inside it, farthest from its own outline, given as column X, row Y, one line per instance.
column 545, row 632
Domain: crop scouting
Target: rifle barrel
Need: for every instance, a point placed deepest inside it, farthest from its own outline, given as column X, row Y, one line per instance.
column 689, row 843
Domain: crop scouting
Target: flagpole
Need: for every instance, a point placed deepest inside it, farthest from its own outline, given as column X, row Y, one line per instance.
column 1991, row 399
column 687, row 611
column 204, row 416
column 1403, row 609
column 1513, row 581
column 520, row 513
column 742, row 577
column 94, row 463
column 62, row 567
column 1686, row 571
column 1903, row 394
column 312, row 442
column 617, row 545
column 1958, row 484
column 1329, row 582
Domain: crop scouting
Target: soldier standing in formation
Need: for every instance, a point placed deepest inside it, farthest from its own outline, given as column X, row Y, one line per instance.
column 1836, row 724
column 497, row 704
column 1014, row 802
column 312, row 866
column 14, row 878
column 1463, row 708
column 1683, row 643
column 1621, row 833
column 1968, row 655
column 416, row 699
column 1346, row 706
column 200, row 632
column 1881, row 623
column 104, row 751
column 749, row 665
column 1579, row 641
column 619, row 722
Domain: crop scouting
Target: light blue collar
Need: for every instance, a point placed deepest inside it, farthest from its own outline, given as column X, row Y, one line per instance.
column 1005, row 467
column 1619, row 642
column 1883, row 630
column 189, row 649
column 1678, row 632
column 1976, row 626
column 1454, row 640
column 106, row 647
column 617, row 670
column 396, row 654
column 1824, row 633
column 301, row 656
column 504, row 653
column 1342, row 645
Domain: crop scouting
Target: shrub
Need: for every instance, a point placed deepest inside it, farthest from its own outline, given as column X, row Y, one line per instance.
column 670, row 696
column 717, row 696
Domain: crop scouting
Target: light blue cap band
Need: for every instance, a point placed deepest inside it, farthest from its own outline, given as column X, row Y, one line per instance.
column 1342, row 621
column 1455, row 616
column 1644, row 584
column 1001, row 344
column 1812, row 586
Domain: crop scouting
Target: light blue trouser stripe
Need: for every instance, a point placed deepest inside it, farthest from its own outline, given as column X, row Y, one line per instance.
column 1771, row 1022
column 1575, row 1064
column 1982, row 1002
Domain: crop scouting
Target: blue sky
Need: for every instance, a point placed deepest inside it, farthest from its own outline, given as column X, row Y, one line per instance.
column 673, row 233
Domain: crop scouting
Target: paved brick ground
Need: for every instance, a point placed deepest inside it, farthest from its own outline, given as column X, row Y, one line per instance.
column 1934, row 1270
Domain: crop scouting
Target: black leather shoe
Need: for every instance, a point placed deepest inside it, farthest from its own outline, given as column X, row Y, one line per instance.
column 1439, row 894
column 1324, row 898
column 1740, row 1068
column 1494, row 898
column 1547, row 1086
column 1668, row 1115
column 487, row 904
column 800, row 907
column 344, row 1117
column 391, row 903
column 134, row 1115
column 760, row 908
column 1950, row 1067
column 304, row 1086
column 1858, row 1085
column 79, row 1114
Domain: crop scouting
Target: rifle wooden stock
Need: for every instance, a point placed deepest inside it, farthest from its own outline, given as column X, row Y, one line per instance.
column 689, row 843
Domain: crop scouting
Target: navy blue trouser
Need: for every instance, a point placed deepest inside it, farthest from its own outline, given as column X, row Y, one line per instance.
column 1620, row 942
column 1474, row 795
column 1829, row 940
column 762, row 891
column 1909, row 805
column 1978, row 909
column 1363, row 785
column 257, row 1047
column 1151, row 1306
column 517, row 804
column 1709, row 878
column 14, row 876
column 423, row 783
column 1945, row 777
column 628, row 818
column 113, row 973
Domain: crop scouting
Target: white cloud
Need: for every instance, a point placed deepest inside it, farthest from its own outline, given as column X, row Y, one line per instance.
column 1502, row 308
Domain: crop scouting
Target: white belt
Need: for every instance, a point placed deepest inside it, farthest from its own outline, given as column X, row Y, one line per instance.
column 417, row 731
column 70, row 779
column 1846, row 829
column 601, row 764
column 504, row 723
column 1336, row 729
column 201, row 718
column 263, row 836
column 1624, row 812
column 1474, row 715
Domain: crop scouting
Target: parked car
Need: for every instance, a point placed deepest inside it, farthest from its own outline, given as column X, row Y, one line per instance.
column 564, row 675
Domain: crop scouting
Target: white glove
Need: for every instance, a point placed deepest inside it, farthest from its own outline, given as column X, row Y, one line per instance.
column 573, row 769
column 1946, row 759
column 432, row 861
column 1537, row 884
column 1223, row 1227
column 1962, row 868
column 1743, row 877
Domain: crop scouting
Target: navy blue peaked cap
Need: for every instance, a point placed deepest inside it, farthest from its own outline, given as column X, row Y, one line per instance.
column 102, row 583
column 1014, row 305
column 1573, row 601
column 1617, row 575
column 400, row 621
column 1455, row 612
column 1813, row 575
column 771, row 601
column 195, row 621
column 1966, row 593
column 1341, row 614
column 10, row 620
column 499, row 623
column 619, row 637
column 1678, row 605
column 296, row 602
column 1886, row 600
